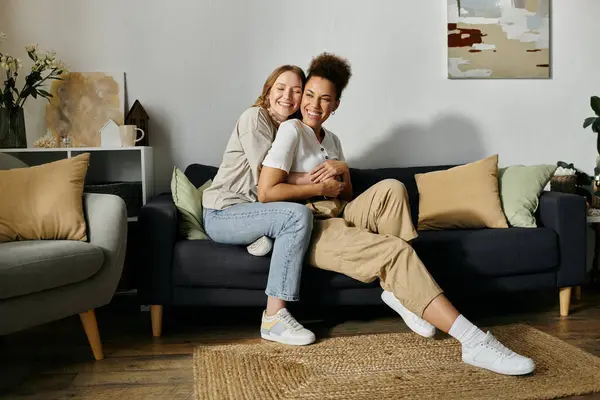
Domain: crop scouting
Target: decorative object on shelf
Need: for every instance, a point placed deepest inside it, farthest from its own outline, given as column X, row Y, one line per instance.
column 137, row 116
column 83, row 103
column 66, row 142
column 129, row 135
column 110, row 135
column 499, row 39
column 564, row 179
column 45, row 68
column 568, row 179
column 593, row 212
column 45, row 142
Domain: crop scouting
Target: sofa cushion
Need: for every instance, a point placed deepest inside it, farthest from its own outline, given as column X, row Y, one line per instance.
column 520, row 188
column 32, row 266
column 466, row 196
column 209, row 264
column 44, row 201
column 362, row 179
column 188, row 200
column 488, row 252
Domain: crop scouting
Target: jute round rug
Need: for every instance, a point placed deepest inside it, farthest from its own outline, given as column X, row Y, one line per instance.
column 390, row 366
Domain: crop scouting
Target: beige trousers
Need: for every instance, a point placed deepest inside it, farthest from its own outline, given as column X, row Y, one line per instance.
column 369, row 241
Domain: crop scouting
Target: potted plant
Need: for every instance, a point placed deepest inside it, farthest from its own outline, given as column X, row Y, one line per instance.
column 594, row 122
column 45, row 68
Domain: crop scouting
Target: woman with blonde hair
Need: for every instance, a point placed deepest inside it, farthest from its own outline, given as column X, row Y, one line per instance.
column 233, row 215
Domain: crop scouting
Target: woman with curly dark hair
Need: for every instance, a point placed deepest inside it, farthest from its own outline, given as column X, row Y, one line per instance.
column 368, row 237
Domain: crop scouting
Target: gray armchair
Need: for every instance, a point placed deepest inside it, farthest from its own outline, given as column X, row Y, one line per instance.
column 46, row 280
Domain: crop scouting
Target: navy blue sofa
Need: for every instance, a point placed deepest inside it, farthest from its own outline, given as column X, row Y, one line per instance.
column 551, row 257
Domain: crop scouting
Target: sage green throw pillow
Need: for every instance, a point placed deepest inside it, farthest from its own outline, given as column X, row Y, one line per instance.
column 188, row 200
column 520, row 187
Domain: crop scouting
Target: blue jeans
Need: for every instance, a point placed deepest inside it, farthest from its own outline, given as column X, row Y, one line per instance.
column 290, row 224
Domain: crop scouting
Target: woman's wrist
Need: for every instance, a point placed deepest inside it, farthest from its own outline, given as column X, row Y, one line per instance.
column 319, row 189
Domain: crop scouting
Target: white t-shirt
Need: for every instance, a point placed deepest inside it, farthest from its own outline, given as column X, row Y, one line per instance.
column 296, row 148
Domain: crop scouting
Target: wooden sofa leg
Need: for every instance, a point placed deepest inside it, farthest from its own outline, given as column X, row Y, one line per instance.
column 565, row 301
column 156, row 312
column 90, row 326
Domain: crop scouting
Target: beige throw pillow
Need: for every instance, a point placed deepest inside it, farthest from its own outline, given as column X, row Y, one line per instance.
column 466, row 196
column 44, row 202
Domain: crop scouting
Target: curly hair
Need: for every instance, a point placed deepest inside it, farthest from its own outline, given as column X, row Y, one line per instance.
column 333, row 68
column 263, row 99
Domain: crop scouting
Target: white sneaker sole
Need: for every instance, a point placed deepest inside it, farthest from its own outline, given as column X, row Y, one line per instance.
column 290, row 341
column 514, row 372
column 426, row 333
column 261, row 247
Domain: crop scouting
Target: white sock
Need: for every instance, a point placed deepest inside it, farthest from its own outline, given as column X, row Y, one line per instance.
column 465, row 332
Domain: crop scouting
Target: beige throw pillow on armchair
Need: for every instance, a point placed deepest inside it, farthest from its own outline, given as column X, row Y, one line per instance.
column 466, row 196
column 44, row 202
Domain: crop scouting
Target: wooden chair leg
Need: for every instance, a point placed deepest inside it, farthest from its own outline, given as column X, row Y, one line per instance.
column 90, row 326
column 156, row 312
column 577, row 292
column 565, row 301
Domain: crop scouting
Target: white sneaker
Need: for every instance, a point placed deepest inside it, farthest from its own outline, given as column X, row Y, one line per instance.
column 261, row 247
column 284, row 328
column 415, row 323
column 494, row 356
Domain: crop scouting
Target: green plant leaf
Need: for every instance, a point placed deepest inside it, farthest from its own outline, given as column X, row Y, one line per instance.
column 595, row 103
column 31, row 56
column 596, row 127
column 589, row 121
column 44, row 94
column 34, row 94
column 33, row 77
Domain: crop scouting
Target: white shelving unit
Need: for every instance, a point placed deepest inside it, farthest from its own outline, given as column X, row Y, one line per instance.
column 119, row 164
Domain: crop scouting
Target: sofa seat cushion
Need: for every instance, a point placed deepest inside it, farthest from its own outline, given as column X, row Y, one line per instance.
column 204, row 263
column 33, row 266
column 488, row 252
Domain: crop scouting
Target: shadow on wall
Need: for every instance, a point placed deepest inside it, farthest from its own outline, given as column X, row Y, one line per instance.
column 163, row 151
column 448, row 140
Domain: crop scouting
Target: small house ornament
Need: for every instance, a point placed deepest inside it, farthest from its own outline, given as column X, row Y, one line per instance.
column 110, row 135
column 137, row 116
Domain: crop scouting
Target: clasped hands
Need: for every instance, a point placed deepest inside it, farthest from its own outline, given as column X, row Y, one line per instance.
column 328, row 174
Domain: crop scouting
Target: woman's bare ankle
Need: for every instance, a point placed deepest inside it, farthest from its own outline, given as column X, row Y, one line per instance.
column 274, row 305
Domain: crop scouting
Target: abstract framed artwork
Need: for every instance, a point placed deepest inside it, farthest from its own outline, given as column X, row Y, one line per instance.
column 82, row 103
column 499, row 39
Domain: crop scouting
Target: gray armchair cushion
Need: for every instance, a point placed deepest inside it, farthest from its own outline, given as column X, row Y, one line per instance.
column 9, row 162
column 32, row 266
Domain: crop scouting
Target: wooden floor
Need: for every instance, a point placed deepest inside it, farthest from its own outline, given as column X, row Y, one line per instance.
column 54, row 361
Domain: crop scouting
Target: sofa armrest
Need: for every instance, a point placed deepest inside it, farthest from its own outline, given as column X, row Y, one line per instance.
column 158, row 227
column 566, row 214
column 106, row 217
